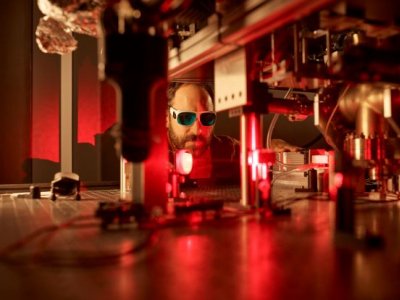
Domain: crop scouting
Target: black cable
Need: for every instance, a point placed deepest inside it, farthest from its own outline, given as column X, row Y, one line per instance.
column 79, row 259
column 37, row 233
column 93, row 258
column 11, row 255
column 71, row 258
column 313, row 141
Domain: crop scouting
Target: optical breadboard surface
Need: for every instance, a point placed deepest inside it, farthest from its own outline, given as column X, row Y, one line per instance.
column 188, row 255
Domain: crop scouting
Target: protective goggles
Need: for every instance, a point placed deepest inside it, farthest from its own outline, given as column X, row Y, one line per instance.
column 187, row 118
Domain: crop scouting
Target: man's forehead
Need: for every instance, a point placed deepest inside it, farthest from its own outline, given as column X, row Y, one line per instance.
column 192, row 97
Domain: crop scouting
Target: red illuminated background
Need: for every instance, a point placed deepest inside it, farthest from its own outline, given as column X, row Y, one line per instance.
column 94, row 111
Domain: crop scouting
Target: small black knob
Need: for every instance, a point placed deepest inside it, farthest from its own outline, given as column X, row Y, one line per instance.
column 34, row 192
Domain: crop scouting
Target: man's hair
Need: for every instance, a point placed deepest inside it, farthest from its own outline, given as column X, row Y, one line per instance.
column 173, row 86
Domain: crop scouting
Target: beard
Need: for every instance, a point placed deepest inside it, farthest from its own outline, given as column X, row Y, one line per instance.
column 197, row 144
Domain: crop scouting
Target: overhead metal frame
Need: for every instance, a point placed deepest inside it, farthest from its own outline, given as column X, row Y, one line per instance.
column 253, row 19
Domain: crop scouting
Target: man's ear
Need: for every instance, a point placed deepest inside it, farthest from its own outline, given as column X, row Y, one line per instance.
column 167, row 120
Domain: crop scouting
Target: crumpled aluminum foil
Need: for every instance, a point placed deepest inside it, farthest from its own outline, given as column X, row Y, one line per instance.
column 80, row 16
column 53, row 36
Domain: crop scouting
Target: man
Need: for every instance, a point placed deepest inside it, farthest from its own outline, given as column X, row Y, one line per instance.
column 190, row 122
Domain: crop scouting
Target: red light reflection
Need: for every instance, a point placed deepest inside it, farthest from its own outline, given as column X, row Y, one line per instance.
column 193, row 253
column 254, row 166
column 88, row 103
column 254, row 132
column 126, row 246
column 264, row 172
column 254, row 124
column 45, row 126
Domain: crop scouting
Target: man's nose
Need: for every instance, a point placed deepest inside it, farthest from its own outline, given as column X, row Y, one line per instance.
column 196, row 128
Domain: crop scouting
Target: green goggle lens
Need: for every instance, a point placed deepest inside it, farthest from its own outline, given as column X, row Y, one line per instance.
column 186, row 118
column 208, row 119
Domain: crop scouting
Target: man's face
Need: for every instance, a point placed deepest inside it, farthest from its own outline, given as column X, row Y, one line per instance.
column 195, row 137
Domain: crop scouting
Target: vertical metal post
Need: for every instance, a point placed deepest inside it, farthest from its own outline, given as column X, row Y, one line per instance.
column 244, row 171
column 66, row 113
column 250, row 137
column 138, row 183
column 328, row 49
column 296, row 48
